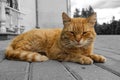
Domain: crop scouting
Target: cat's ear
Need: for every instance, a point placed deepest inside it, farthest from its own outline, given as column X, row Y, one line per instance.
column 91, row 20
column 65, row 18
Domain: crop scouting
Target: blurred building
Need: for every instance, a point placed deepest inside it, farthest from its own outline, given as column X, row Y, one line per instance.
column 17, row 16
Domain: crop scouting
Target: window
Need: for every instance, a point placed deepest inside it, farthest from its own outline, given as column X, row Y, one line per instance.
column 12, row 4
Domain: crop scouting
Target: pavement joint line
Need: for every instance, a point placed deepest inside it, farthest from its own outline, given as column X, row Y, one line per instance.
column 74, row 74
column 108, row 69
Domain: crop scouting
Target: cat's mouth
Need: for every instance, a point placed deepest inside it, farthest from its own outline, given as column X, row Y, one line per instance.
column 76, row 44
column 79, row 45
column 82, row 44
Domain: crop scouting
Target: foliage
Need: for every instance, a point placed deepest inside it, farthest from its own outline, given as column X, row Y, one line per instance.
column 84, row 13
column 106, row 28
column 76, row 13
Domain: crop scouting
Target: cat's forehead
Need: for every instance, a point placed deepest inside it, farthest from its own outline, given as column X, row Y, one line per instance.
column 78, row 20
column 77, row 24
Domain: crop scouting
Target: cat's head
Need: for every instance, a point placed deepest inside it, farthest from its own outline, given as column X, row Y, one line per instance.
column 78, row 32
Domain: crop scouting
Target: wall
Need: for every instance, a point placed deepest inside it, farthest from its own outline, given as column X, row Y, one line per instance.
column 29, row 19
column 50, row 13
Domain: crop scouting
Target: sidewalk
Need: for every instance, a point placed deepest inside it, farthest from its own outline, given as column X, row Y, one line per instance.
column 109, row 46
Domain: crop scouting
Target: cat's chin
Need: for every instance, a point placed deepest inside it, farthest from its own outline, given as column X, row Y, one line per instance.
column 79, row 46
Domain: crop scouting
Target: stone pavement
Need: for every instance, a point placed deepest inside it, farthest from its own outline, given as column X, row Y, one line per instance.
column 108, row 46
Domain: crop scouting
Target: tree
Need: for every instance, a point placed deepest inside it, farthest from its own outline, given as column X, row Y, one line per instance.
column 76, row 13
column 113, row 18
column 91, row 9
column 113, row 25
column 118, row 28
column 83, row 13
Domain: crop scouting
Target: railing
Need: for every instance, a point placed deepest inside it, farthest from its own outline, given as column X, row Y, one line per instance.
column 10, row 19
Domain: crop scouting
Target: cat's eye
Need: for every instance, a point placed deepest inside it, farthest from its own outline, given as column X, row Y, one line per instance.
column 72, row 32
column 84, row 32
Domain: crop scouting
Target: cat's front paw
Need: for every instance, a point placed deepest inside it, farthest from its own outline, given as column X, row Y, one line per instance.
column 98, row 58
column 86, row 60
column 44, row 58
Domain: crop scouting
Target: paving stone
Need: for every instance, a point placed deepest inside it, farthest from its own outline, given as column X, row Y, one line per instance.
column 111, row 65
column 90, row 72
column 14, row 70
column 50, row 70
column 108, row 54
column 4, row 44
column 108, row 41
column 2, row 55
column 13, row 76
column 108, row 46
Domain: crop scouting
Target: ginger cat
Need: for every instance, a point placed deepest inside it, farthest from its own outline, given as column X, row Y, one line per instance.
column 72, row 43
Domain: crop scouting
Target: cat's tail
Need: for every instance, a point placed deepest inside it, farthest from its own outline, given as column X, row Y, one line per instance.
column 24, row 55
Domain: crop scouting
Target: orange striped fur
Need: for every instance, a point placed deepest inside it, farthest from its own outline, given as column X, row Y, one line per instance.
column 72, row 43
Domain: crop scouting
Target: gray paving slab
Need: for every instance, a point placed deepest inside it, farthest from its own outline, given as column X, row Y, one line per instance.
column 50, row 70
column 111, row 65
column 107, row 54
column 2, row 55
column 14, row 70
column 108, row 50
column 113, row 61
column 13, row 76
column 4, row 44
column 90, row 72
column 108, row 41
column 108, row 46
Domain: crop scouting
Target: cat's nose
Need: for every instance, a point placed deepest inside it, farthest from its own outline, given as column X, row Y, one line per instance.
column 78, row 40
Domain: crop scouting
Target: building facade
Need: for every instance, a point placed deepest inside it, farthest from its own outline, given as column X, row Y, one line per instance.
column 17, row 16
column 49, row 12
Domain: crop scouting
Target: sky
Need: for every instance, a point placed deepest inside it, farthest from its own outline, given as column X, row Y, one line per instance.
column 105, row 9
